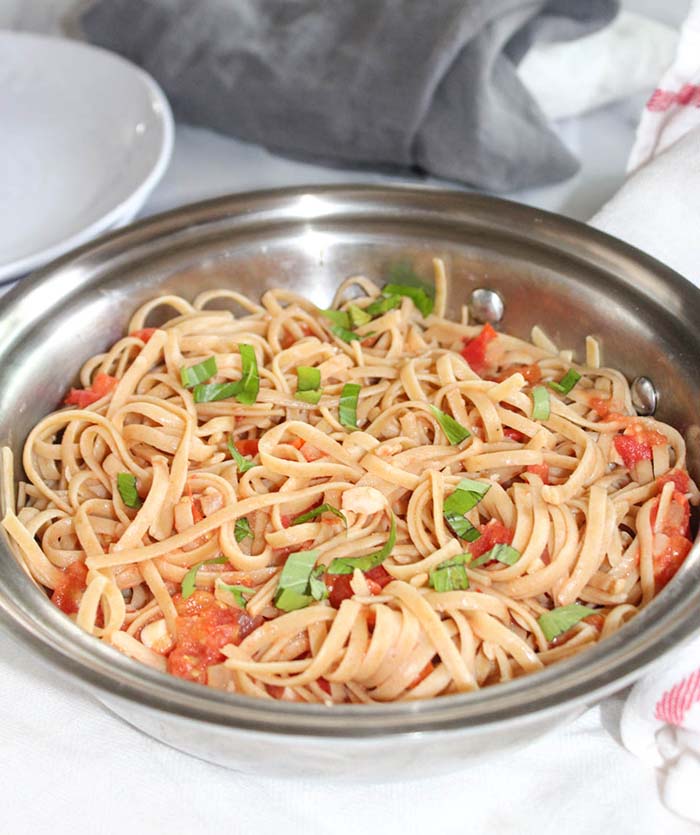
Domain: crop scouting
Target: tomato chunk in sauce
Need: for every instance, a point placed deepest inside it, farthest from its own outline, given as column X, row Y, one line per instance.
column 204, row 627
column 492, row 533
column 474, row 351
column 672, row 541
column 70, row 588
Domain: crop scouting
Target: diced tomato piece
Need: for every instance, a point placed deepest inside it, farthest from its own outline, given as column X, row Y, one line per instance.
column 297, row 443
column 514, row 435
column 102, row 384
column 324, row 685
column 70, row 588
column 474, row 351
column 247, row 446
column 672, row 546
column 81, row 398
column 338, row 588
column 205, row 625
column 493, row 533
column 600, row 406
column 144, row 334
column 424, row 673
column 312, row 453
column 339, row 584
column 542, row 470
column 668, row 561
column 288, row 339
column 679, row 478
column 531, row 373
column 379, row 575
column 631, row 450
column 197, row 513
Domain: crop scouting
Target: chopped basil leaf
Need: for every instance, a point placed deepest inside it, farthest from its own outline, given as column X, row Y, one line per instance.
column 308, row 378
column 317, row 587
column 242, row 463
column 126, row 484
column 346, row 335
column 308, row 396
column 250, row 379
column 540, row 403
column 308, row 384
column 465, row 497
column 560, row 620
column 319, row 511
column 241, row 529
column 338, row 317
column 502, row 552
column 450, row 575
column 188, row 581
column 347, row 410
column 382, row 305
column 199, row 373
column 420, row 298
column 454, row 431
column 244, row 390
column 346, row 565
column 358, row 316
column 567, row 382
column 293, row 586
column 215, row 391
column 237, row 591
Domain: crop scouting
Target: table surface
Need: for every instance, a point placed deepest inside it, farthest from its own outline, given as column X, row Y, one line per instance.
column 65, row 759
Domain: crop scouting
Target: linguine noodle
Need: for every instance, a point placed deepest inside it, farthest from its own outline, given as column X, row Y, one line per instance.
column 477, row 524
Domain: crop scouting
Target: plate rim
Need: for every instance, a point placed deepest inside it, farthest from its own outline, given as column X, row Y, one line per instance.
column 126, row 209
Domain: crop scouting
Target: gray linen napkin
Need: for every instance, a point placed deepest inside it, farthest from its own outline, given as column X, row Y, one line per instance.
column 422, row 84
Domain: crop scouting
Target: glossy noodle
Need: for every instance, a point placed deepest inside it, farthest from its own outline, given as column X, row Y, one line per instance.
column 364, row 505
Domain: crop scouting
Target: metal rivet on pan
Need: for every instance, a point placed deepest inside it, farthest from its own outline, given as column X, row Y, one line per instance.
column 486, row 306
column 644, row 396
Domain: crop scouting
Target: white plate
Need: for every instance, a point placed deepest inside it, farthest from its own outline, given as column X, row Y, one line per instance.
column 84, row 138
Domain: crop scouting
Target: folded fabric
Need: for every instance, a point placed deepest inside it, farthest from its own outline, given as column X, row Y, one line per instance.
column 431, row 86
column 658, row 210
column 626, row 57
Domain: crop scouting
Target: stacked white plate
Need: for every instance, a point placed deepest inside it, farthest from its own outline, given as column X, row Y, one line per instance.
column 84, row 138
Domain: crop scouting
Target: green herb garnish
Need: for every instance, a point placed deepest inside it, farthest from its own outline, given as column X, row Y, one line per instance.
column 540, row 403
column 347, row 411
column 293, row 589
column 466, row 496
column 243, row 464
column 358, row 316
column 454, row 431
column 319, row 511
column 237, row 591
column 382, row 305
column 241, row 529
column 338, row 317
column 244, row 390
column 502, row 552
column 200, row 373
column 126, row 484
column 308, row 384
column 567, row 382
column 560, row 620
column 188, row 581
column 346, row 565
column 450, row 575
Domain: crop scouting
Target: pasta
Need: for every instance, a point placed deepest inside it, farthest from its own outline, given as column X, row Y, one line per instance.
column 366, row 504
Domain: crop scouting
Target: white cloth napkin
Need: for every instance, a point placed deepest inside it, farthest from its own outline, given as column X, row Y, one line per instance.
column 658, row 210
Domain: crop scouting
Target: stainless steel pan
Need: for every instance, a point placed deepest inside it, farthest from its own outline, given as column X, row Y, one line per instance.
column 551, row 271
